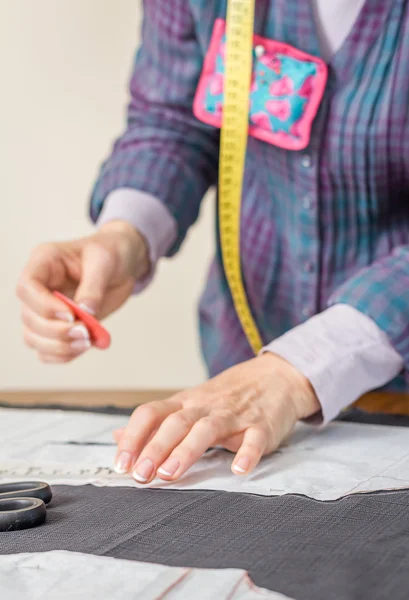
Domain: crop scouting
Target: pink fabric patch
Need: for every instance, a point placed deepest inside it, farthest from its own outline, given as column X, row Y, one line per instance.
column 272, row 62
column 295, row 130
column 265, row 60
column 279, row 108
column 307, row 88
column 259, row 124
column 261, row 120
column 217, row 84
column 276, row 65
column 282, row 87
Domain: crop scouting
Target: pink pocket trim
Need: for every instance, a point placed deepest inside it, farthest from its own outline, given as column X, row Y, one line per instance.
column 207, row 75
column 303, row 126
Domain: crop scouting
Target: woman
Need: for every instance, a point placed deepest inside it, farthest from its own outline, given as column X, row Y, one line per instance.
column 325, row 230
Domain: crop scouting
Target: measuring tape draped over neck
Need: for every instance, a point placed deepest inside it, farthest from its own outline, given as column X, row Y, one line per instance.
column 233, row 145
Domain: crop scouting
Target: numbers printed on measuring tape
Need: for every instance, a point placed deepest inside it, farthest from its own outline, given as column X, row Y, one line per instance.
column 233, row 144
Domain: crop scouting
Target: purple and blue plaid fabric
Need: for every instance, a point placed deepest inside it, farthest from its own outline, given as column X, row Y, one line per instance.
column 324, row 226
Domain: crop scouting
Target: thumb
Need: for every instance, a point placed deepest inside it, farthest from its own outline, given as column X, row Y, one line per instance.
column 98, row 266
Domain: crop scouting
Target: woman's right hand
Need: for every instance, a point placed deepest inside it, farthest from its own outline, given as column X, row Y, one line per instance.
column 98, row 272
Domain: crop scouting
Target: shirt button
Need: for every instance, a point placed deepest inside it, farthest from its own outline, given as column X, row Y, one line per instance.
column 309, row 267
column 308, row 202
column 260, row 51
column 306, row 161
column 306, row 312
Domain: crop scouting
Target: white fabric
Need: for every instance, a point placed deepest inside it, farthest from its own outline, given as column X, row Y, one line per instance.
column 334, row 20
column 324, row 464
column 62, row 575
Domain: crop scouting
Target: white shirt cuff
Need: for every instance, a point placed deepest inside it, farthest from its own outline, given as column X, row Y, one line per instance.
column 343, row 353
column 149, row 216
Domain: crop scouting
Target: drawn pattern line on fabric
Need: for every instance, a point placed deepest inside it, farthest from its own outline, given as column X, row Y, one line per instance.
column 403, row 482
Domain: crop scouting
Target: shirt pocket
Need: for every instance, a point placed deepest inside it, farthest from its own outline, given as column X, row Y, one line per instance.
column 287, row 88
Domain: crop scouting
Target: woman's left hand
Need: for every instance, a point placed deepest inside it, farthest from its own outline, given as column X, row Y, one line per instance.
column 249, row 410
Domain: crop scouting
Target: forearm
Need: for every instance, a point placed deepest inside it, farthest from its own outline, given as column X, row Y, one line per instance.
column 165, row 152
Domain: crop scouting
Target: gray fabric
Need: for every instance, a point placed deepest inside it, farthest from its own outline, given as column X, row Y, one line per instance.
column 355, row 415
column 353, row 548
column 106, row 410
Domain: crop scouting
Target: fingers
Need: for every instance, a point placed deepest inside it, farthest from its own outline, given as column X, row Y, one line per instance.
column 36, row 297
column 118, row 433
column 191, row 422
column 250, row 452
column 52, row 328
column 182, row 440
column 98, row 265
column 203, row 434
column 55, row 347
column 49, row 326
column 169, row 435
column 44, row 272
column 144, row 421
column 56, row 342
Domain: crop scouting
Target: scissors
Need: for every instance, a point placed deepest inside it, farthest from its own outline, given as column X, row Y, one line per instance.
column 23, row 504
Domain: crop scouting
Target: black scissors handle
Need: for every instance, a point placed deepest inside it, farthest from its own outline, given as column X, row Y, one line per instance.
column 26, row 489
column 21, row 513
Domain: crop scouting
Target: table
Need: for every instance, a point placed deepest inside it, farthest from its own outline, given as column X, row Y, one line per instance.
column 306, row 539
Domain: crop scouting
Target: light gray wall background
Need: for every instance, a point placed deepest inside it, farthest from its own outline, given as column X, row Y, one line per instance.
column 64, row 70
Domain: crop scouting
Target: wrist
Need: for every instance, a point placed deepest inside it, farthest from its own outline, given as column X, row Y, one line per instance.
column 300, row 390
column 131, row 246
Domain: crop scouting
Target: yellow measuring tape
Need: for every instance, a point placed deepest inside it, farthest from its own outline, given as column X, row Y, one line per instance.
column 233, row 145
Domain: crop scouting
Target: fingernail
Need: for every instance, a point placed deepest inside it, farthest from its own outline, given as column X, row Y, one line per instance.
column 87, row 309
column 242, row 465
column 81, row 345
column 65, row 316
column 79, row 332
column 170, row 467
column 143, row 471
column 123, row 463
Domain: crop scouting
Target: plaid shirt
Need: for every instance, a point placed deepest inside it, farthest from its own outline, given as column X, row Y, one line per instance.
column 326, row 226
